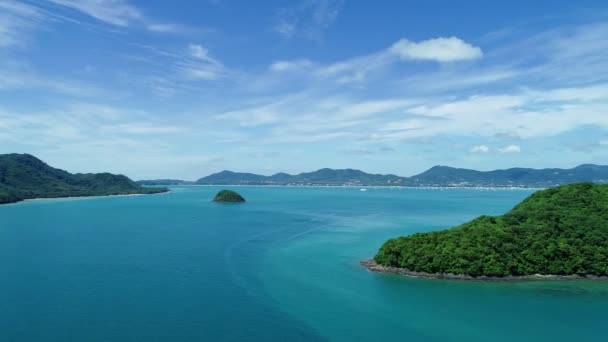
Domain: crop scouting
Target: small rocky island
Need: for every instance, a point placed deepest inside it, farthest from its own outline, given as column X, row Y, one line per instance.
column 558, row 233
column 228, row 196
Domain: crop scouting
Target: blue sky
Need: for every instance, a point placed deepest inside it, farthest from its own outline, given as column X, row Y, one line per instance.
column 181, row 89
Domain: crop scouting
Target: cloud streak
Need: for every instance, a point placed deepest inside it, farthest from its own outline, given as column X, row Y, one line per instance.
column 510, row 149
column 17, row 20
column 113, row 12
column 480, row 149
column 200, row 65
column 360, row 69
column 308, row 20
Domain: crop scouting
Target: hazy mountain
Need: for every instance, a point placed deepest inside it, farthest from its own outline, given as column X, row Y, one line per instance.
column 229, row 177
column 444, row 176
column 164, row 182
column 435, row 176
column 319, row 177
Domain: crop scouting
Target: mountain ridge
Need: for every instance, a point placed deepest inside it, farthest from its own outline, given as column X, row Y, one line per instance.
column 439, row 175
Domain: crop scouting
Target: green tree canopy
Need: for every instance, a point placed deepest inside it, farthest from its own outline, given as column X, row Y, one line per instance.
column 23, row 176
column 558, row 231
column 228, row 196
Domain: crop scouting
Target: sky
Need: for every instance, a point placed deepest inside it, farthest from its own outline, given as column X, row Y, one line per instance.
column 182, row 89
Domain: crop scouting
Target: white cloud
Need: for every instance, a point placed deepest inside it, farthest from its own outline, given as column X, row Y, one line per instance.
column 200, row 65
column 437, row 49
column 526, row 114
column 295, row 65
column 558, row 58
column 532, row 113
column 166, row 28
column 379, row 96
column 359, row 69
column 114, row 12
column 480, row 149
column 202, row 72
column 510, row 149
column 198, row 51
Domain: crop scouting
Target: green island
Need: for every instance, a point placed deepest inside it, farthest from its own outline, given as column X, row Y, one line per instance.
column 228, row 196
column 559, row 232
column 23, row 176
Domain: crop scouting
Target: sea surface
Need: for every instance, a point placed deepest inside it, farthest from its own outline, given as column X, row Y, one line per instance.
column 282, row 267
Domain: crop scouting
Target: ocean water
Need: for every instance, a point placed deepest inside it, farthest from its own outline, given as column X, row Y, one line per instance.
column 282, row 267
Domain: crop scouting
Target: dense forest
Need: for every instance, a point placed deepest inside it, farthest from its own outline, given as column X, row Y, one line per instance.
column 558, row 231
column 23, row 176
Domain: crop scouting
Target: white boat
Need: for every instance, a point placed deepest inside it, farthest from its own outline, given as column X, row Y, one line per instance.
column 362, row 189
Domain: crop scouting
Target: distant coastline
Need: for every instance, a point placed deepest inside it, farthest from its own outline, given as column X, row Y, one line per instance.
column 375, row 267
column 515, row 188
column 371, row 186
column 437, row 176
column 39, row 199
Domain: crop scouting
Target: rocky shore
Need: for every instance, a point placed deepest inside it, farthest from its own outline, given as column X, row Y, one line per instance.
column 375, row 267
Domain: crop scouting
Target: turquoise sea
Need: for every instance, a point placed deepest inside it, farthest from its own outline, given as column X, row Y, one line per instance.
column 282, row 267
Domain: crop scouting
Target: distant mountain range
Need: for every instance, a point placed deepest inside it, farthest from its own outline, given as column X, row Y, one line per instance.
column 436, row 176
column 23, row 176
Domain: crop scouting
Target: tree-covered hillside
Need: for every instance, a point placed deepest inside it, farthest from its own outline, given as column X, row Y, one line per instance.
column 23, row 176
column 558, row 231
column 228, row 196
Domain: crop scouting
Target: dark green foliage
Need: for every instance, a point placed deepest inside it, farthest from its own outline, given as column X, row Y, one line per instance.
column 228, row 196
column 560, row 231
column 23, row 176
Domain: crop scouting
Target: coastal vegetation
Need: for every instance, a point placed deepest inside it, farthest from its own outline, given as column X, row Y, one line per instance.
column 228, row 196
column 558, row 231
column 23, row 176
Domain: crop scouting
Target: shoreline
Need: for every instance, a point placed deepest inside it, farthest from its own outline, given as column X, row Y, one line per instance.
column 372, row 266
column 41, row 199
column 358, row 186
